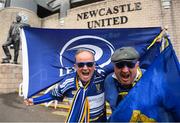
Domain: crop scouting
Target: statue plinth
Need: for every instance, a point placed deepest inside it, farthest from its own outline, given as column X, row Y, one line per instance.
column 10, row 77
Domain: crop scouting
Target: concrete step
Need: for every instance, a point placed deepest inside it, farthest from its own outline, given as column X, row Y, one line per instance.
column 65, row 106
column 60, row 113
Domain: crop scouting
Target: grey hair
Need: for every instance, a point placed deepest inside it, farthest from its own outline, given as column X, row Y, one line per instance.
column 85, row 50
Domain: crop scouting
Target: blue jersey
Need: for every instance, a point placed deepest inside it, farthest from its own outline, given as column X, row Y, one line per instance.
column 69, row 86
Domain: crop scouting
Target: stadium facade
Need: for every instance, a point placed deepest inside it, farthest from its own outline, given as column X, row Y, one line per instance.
column 93, row 14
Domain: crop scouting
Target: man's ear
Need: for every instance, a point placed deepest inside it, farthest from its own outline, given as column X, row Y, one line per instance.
column 75, row 66
column 137, row 64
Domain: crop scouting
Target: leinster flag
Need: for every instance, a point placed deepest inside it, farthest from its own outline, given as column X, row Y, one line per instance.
column 156, row 97
column 48, row 54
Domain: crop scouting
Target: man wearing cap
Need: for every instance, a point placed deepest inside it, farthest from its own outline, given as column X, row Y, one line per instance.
column 125, row 76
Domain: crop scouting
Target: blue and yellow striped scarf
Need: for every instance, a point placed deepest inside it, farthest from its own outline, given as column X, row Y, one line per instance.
column 79, row 111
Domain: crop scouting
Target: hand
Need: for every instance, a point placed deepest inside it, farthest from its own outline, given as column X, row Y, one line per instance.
column 29, row 102
column 159, row 40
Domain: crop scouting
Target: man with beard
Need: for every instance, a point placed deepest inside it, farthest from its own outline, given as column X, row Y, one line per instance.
column 126, row 74
column 84, row 88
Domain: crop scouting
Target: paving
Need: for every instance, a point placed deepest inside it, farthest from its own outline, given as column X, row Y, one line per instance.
column 12, row 109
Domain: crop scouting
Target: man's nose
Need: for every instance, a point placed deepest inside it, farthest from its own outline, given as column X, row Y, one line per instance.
column 85, row 67
column 125, row 68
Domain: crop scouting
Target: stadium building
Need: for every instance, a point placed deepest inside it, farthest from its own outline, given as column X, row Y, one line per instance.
column 92, row 14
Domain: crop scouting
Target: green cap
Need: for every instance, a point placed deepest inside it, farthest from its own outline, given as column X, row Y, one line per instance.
column 125, row 54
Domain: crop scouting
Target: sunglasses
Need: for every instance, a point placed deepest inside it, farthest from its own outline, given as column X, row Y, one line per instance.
column 82, row 64
column 129, row 64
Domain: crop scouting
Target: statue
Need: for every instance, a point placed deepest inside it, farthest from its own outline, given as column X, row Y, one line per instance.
column 13, row 40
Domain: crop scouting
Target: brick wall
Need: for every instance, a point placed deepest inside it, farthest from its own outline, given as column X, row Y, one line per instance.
column 152, row 14
column 51, row 21
column 176, row 25
column 10, row 77
column 149, row 15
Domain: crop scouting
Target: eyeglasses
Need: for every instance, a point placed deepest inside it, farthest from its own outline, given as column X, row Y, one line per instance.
column 82, row 64
column 129, row 64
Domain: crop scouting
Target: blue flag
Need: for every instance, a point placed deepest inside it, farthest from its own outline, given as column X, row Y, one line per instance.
column 48, row 54
column 156, row 97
